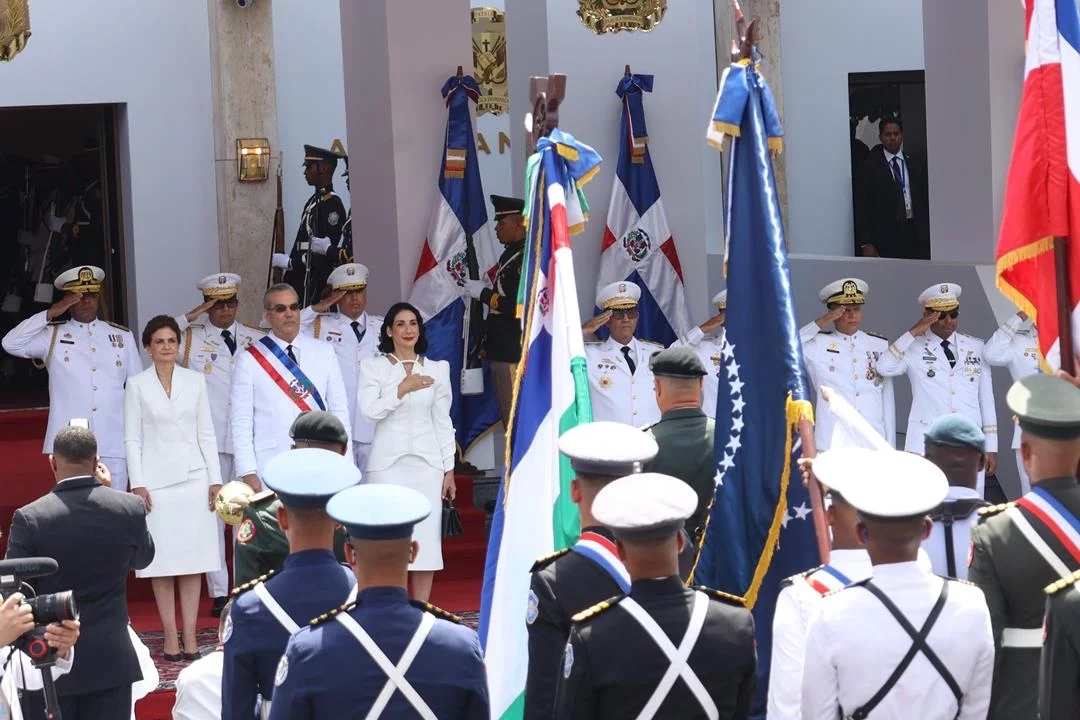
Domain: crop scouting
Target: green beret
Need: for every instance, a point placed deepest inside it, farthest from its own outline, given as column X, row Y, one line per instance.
column 678, row 362
column 1046, row 406
column 955, row 431
column 318, row 426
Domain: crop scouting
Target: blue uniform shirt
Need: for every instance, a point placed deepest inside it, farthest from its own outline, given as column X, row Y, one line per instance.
column 311, row 583
column 327, row 673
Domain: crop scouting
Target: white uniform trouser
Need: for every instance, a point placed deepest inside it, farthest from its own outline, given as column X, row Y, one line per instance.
column 361, row 450
column 118, row 470
column 980, row 484
column 217, row 582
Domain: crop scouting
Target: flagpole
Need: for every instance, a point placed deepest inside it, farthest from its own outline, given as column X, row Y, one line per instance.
column 1064, row 309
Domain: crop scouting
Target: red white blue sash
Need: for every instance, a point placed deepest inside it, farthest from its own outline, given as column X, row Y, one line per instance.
column 279, row 366
column 601, row 551
column 1056, row 518
column 827, row 579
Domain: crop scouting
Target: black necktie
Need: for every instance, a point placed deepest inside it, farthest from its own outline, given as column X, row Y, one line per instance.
column 897, row 173
column 629, row 360
column 289, row 352
column 228, row 338
column 356, row 331
column 948, row 353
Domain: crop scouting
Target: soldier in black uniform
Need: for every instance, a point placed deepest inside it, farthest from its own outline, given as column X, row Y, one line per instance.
column 318, row 239
column 1059, row 670
column 620, row 649
column 1019, row 548
column 502, row 331
column 572, row 579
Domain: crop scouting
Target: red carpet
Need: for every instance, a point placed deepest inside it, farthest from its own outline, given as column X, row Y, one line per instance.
column 457, row 587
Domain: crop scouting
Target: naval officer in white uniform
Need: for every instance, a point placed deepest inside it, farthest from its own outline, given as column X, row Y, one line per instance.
column 707, row 340
column 620, row 380
column 278, row 377
column 354, row 335
column 212, row 348
column 1015, row 345
column 844, row 359
column 88, row 360
column 947, row 371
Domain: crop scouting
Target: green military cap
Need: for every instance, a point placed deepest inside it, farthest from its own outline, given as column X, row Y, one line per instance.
column 318, row 426
column 955, row 430
column 1046, row 406
column 678, row 362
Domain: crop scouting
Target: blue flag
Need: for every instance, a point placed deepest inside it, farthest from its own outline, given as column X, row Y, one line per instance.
column 760, row 528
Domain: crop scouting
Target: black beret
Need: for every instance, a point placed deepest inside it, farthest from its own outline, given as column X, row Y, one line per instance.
column 318, row 426
column 678, row 362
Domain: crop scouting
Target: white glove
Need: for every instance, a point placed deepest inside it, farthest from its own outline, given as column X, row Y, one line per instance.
column 474, row 288
column 55, row 223
column 320, row 245
column 279, row 261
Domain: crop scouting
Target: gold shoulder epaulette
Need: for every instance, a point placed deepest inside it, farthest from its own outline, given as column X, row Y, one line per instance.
column 1063, row 583
column 591, row 612
column 248, row 585
column 256, row 328
column 722, row 596
column 543, row 562
column 989, row 510
column 344, row 607
column 436, row 611
column 118, row 326
column 877, row 335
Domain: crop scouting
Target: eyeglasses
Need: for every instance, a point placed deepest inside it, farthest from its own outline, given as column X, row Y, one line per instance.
column 953, row 314
column 282, row 308
column 630, row 314
column 227, row 303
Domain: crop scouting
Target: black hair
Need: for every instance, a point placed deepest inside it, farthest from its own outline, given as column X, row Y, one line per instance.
column 156, row 323
column 76, row 445
column 386, row 343
column 889, row 121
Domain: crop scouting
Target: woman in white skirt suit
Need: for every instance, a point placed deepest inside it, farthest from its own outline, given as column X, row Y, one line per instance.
column 407, row 396
column 173, row 466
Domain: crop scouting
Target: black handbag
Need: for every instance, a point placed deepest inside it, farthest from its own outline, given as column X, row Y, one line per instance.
column 451, row 520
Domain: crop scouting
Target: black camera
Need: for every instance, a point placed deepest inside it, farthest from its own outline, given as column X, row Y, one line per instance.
column 47, row 609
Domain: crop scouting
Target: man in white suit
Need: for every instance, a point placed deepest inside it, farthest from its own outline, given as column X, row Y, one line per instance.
column 354, row 335
column 277, row 378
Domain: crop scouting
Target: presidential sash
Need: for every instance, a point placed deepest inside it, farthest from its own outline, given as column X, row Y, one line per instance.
column 1056, row 518
column 601, row 551
column 827, row 579
column 278, row 366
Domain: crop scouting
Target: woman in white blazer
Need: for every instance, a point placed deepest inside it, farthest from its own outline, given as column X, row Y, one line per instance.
column 173, row 467
column 407, row 396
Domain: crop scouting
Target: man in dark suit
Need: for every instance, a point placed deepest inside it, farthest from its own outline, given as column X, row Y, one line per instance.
column 891, row 203
column 97, row 536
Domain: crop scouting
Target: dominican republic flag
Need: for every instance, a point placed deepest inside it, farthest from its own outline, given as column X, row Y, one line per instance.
column 638, row 245
column 760, row 528
column 1042, row 196
column 534, row 514
column 458, row 237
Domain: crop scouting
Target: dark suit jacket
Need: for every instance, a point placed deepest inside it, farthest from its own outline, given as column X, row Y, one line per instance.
column 96, row 535
column 879, row 207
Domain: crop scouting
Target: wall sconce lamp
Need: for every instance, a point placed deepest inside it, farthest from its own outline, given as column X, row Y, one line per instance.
column 252, row 159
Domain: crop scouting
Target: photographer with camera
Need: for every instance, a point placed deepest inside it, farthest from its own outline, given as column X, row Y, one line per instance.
column 18, row 673
column 96, row 536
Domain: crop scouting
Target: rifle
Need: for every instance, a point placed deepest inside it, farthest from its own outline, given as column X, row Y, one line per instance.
column 277, row 240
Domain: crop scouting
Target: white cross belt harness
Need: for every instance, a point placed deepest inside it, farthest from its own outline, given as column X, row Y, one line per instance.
column 286, row 622
column 677, row 656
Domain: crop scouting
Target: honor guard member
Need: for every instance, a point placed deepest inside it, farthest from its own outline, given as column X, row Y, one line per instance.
column 88, row 361
column 261, row 546
column 1059, row 669
column 382, row 655
column 957, row 446
column 620, row 381
column 1015, row 345
column 844, row 358
column 212, row 348
column 568, row 581
column 946, row 370
column 687, row 652
column 1019, row 548
column 904, row 643
column 267, row 611
column 317, row 248
column 502, row 329
column 354, row 335
column 707, row 340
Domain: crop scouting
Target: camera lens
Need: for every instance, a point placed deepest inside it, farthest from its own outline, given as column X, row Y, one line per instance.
column 55, row 607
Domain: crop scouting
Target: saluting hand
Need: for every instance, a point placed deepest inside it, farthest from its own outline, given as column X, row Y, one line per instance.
column 62, row 305
column 196, row 312
column 929, row 317
column 331, row 299
column 830, row 316
column 714, row 322
column 595, row 323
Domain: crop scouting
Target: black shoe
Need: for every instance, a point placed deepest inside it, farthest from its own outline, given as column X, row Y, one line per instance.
column 173, row 658
column 219, row 605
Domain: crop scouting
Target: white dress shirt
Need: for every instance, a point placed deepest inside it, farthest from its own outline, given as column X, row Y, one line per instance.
column 198, row 689
column 854, row 644
column 903, row 174
column 708, row 349
column 616, row 394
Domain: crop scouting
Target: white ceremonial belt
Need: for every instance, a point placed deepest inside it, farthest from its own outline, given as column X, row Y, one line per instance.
column 275, row 609
column 677, row 656
column 395, row 674
column 1022, row 637
column 303, row 244
column 264, row 710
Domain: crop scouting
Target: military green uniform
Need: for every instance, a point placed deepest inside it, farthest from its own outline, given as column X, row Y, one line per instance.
column 261, row 545
column 685, row 437
column 1059, row 671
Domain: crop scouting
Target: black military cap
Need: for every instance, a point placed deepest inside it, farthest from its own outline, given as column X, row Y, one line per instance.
column 318, row 426
column 677, row 362
column 1046, row 406
column 507, row 206
column 317, row 154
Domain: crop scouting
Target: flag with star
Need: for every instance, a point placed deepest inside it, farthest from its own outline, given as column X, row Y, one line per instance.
column 760, row 529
